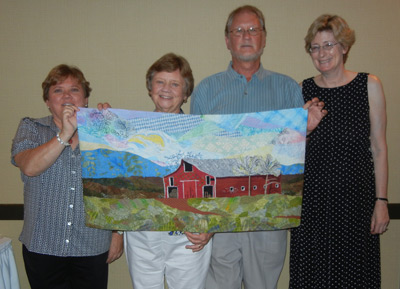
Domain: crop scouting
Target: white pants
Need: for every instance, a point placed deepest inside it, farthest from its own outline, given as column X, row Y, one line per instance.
column 153, row 255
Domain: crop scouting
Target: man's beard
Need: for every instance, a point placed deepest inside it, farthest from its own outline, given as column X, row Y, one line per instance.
column 248, row 58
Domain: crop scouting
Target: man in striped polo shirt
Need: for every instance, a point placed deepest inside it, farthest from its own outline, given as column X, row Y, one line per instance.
column 254, row 258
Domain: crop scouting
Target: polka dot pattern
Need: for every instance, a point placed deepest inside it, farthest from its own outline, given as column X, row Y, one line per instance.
column 333, row 246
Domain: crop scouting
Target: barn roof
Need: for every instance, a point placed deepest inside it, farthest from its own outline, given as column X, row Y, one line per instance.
column 216, row 167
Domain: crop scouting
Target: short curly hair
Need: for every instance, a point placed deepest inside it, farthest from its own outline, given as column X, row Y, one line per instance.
column 62, row 72
column 169, row 63
column 337, row 25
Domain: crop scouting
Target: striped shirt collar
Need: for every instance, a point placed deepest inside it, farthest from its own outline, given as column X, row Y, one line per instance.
column 234, row 74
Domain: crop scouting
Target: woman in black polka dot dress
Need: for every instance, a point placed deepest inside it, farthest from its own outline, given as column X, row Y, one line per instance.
column 345, row 197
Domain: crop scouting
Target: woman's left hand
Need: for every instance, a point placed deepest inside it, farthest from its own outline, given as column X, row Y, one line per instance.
column 116, row 247
column 199, row 240
column 380, row 218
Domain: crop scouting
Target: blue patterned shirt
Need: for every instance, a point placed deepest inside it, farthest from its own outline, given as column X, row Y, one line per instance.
column 54, row 217
column 229, row 92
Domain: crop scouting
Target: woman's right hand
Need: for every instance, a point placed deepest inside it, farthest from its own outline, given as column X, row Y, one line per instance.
column 199, row 240
column 69, row 122
column 105, row 105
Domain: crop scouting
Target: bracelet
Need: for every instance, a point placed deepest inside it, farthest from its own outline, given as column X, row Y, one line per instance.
column 381, row 199
column 61, row 141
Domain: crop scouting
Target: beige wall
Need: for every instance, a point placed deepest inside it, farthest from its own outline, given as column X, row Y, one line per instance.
column 114, row 42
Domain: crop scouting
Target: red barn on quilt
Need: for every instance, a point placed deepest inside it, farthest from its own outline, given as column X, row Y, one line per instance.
column 196, row 178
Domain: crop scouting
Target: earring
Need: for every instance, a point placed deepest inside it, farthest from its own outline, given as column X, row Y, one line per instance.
column 86, row 105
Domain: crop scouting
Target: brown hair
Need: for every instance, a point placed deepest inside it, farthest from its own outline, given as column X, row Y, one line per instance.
column 337, row 25
column 62, row 72
column 171, row 62
column 245, row 8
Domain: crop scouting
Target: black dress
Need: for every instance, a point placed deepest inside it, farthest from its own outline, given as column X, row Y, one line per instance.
column 333, row 246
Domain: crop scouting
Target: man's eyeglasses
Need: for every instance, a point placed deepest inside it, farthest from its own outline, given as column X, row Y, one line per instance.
column 327, row 47
column 253, row 31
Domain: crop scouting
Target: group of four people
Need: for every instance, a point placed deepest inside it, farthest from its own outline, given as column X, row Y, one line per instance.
column 344, row 197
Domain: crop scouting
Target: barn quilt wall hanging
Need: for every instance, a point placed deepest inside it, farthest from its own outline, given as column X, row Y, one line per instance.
column 149, row 171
